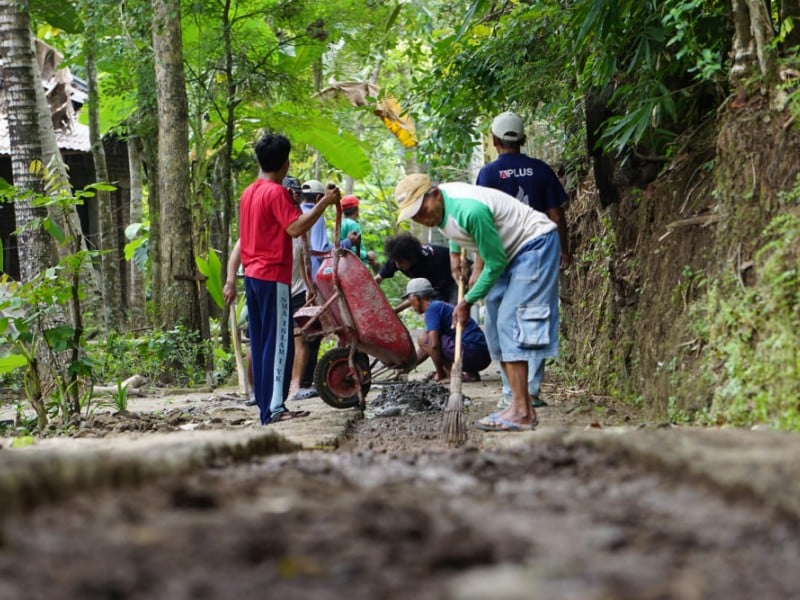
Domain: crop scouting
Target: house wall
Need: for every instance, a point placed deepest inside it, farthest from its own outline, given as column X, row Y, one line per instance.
column 81, row 173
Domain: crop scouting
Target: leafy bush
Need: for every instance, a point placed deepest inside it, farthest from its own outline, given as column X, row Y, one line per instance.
column 753, row 335
column 165, row 357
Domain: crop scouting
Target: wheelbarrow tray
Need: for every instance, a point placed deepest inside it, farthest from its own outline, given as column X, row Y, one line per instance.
column 365, row 315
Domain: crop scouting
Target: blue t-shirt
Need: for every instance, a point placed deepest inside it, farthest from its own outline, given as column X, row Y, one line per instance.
column 439, row 317
column 529, row 180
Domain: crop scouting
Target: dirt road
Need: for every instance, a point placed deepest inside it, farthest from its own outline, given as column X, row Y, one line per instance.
column 394, row 513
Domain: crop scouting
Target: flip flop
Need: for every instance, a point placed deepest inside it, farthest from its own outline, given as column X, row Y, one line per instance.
column 494, row 422
column 288, row 415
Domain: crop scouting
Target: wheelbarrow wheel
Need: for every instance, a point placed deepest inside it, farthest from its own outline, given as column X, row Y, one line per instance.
column 336, row 383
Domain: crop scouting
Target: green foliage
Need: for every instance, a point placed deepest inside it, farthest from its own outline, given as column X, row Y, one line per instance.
column 212, row 270
column 665, row 61
column 138, row 247
column 42, row 344
column 61, row 15
column 752, row 336
column 120, row 397
column 160, row 356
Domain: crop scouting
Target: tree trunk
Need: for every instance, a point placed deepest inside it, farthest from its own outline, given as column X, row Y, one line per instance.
column 136, row 301
column 225, row 170
column 147, row 127
column 19, row 80
column 66, row 218
column 179, row 302
column 110, row 287
column 752, row 42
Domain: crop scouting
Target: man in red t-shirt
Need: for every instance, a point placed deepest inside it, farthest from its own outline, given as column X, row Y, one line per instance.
column 268, row 220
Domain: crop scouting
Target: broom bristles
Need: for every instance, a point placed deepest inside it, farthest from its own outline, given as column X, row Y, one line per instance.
column 453, row 426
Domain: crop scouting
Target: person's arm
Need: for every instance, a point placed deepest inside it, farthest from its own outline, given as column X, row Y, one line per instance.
column 493, row 256
column 557, row 216
column 306, row 220
column 477, row 267
column 372, row 259
column 234, row 260
column 402, row 306
column 436, row 355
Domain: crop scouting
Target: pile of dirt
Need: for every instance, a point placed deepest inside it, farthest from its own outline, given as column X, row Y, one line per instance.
column 410, row 397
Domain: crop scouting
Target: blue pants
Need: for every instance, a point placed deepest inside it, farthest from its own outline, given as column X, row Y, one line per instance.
column 522, row 306
column 271, row 344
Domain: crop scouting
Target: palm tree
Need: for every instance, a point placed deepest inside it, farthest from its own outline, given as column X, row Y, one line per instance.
column 19, row 82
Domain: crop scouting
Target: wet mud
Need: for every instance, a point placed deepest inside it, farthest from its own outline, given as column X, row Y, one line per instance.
column 410, row 397
column 396, row 514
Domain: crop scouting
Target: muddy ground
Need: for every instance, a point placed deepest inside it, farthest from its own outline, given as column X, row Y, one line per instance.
column 395, row 513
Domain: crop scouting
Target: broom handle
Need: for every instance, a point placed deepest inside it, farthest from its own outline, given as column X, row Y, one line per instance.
column 459, row 326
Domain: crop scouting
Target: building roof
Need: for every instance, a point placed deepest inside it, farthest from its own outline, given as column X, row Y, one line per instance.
column 65, row 95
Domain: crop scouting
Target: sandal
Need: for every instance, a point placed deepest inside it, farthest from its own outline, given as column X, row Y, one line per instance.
column 288, row 415
column 305, row 394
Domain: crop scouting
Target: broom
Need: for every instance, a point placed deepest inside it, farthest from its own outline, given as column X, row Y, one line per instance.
column 453, row 426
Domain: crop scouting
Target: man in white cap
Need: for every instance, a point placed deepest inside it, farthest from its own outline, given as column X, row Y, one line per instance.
column 520, row 251
column 319, row 244
column 533, row 182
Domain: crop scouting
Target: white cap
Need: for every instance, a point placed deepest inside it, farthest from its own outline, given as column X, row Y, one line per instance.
column 508, row 127
column 312, row 186
column 419, row 286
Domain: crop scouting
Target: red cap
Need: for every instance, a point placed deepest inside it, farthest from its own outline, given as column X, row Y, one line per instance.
column 349, row 202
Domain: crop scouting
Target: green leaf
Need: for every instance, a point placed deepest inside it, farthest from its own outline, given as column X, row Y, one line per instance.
column 102, row 187
column 59, row 338
column 115, row 107
column 302, row 57
column 23, row 441
column 4, row 185
column 54, row 230
column 212, row 269
column 477, row 5
column 12, row 362
column 393, row 16
column 340, row 148
column 58, row 14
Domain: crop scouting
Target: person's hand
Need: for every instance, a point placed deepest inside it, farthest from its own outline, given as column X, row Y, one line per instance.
column 566, row 261
column 229, row 291
column 461, row 313
column 354, row 237
column 332, row 195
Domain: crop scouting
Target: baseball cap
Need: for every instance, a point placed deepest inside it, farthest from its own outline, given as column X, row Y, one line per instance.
column 508, row 127
column 292, row 184
column 418, row 286
column 349, row 202
column 409, row 193
column 312, row 186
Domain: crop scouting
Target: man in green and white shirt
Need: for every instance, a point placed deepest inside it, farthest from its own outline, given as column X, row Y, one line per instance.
column 520, row 251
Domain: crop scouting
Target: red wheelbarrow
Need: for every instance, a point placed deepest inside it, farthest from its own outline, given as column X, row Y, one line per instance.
column 346, row 301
